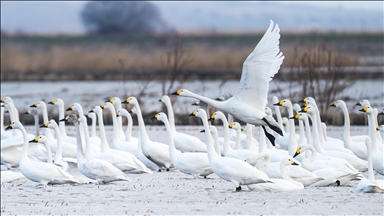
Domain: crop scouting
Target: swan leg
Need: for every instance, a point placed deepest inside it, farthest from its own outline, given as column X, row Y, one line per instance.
column 270, row 137
column 273, row 127
column 238, row 188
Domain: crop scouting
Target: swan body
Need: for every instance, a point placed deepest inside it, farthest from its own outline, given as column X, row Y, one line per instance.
column 249, row 101
column 236, row 171
column 43, row 173
column 183, row 142
column 285, row 184
column 376, row 154
column 133, row 143
column 156, row 152
column 358, row 148
column 296, row 173
column 350, row 158
column 137, row 166
column 191, row 163
column 9, row 176
column 93, row 168
column 242, row 154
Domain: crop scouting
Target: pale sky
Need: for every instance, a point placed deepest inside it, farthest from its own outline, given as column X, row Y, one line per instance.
column 64, row 16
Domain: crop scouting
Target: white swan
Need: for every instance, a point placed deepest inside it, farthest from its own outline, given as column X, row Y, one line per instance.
column 133, row 143
column 191, row 163
column 62, row 149
column 11, row 176
column 137, row 166
column 370, row 185
column 249, row 101
column 215, row 136
column 116, row 102
column 84, row 129
column 33, row 111
column 41, row 172
column 364, row 103
column 242, row 154
column 352, row 159
column 60, row 105
column 183, row 142
column 117, row 141
column 4, row 134
column 236, row 171
column 358, row 148
column 285, row 184
column 67, row 164
column 14, row 137
column 329, row 143
column 156, row 152
column 377, row 155
column 93, row 117
column 93, row 168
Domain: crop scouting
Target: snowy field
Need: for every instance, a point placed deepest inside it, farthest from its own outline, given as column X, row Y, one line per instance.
column 89, row 94
column 176, row 193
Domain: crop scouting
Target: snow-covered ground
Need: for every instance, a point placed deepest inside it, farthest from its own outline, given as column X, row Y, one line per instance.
column 89, row 94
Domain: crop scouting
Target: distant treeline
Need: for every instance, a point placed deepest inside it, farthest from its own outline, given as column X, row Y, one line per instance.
column 117, row 57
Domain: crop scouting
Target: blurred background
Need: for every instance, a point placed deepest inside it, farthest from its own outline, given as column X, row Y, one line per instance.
column 333, row 50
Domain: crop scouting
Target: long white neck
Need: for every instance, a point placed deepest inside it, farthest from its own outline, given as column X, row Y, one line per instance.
column 347, row 125
column 217, row 144
column 80, row 151
column 285, row 176
column 142, row 130
column 104, row 143
column 47, row 132
column 372, row 126
column 292, row 131
column 315, row 133
column 377, row 133
column 128, row 131
column 212, row 154
column 59, row 147
column 13, row 117
column 116, row 133
column 266, row 159
column 250, row 144
column 172, row 150
column 371, row 176
column 319, row 128
column 61, row 116
column 238, row 138
column 226, row 147
column 86, row 135
column 217, row 104
column 171, row 117
column 93, row 127
column 313, row 154
column 49, row 152
column 230, row 118
column 119, row 121
column 24, row 152
column 37, row 126
column 278, row 117
column 302, row 133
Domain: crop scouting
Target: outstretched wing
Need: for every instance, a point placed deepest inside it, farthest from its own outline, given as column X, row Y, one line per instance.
column 259, row 68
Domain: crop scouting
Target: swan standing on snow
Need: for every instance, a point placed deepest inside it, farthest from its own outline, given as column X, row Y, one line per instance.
column 137, row 166
column 41, row 172
column 191, row 163
column 183, row 142
column 370, row 185
column 236, row 171
column 377, row 155
column 99, row 170
column 349, row 158
column 249, row 101
column 156, row 152
column 358, row 148
column 285, row 184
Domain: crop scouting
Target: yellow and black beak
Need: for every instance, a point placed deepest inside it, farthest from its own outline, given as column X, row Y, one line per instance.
column 304, row 110
column 177, row 93
column 333, row 104
column 126, row 101
column 10, row 126
column 293, row 162
column 44, row 125
column 35, row 140
column 194, row 113
column 212, row 117
column 156, row 116
column 364, row 109
column 52, row 102
column 69, row 108
column 102, row 105
column 35, row 104
column 298, row 151
column 231, row 125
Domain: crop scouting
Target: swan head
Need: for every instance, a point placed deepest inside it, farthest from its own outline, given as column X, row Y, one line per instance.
column 121, row 112
column 49, row 124
column 38, row 104
column 40, row 139
column 182, row 92
column 57, row 102
column 199, row 113
column 308, row 109
column 165, row 99
column 268, row 111
column 300, row 116
column 298, row 151
column 6, row 99
column 115, row 101
column 160, row 116
column 284, row 103
column 217, row 115
column 288, row 162
column 296, row 107
column 31, row 111
column 130, row 100
column 364, row 103
column 367, row 109
column 72, row 118
column 235, row 125
column 14, row 125
column 74, row 106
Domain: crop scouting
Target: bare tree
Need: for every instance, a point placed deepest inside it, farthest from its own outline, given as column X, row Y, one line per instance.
column 129, row 17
